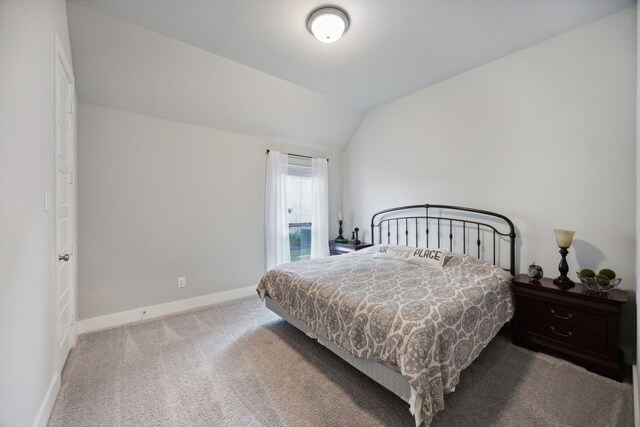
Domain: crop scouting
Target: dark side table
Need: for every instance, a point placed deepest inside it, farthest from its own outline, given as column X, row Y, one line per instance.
column 581, row 325
column 344, row 248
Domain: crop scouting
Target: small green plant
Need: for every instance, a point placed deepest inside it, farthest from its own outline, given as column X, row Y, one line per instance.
column 608, row 272
column 587, row 272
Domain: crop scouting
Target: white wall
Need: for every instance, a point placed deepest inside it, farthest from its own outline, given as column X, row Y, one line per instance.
column 160, row 199
column 545, row 136
column 26, row 173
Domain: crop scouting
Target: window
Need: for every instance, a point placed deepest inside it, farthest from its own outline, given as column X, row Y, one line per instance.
column 296, row 208
column 299, row 208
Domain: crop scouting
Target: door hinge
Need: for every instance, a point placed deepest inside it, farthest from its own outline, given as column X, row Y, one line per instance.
column 72, row 177
column 72, row 250
column 73, row 319
column 71, row 107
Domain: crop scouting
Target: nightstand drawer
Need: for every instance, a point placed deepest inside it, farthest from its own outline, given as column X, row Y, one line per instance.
column 565, row 317
column 568, row 335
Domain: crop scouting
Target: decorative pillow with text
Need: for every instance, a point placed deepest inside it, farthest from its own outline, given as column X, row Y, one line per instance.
column 423, row 256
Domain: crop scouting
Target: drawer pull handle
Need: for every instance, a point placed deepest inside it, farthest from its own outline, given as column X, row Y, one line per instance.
column 561, row 317
column 568, row 334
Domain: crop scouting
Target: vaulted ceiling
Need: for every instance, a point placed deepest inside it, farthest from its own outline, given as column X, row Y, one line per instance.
column 251, row 65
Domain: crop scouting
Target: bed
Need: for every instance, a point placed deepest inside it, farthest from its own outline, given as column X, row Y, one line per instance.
column 412, row 328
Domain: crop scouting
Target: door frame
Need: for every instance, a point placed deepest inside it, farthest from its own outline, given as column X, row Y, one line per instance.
column 59, row 53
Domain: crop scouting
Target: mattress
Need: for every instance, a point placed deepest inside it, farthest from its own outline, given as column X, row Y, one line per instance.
column 427, row 323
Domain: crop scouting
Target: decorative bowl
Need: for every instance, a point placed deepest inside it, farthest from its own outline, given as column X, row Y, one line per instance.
column 592, row 284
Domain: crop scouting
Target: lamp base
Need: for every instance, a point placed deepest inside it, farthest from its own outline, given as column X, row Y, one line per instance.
column 341, row 239
column 563, row 282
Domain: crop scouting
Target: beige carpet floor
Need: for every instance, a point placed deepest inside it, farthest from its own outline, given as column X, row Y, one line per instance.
column 237, row 364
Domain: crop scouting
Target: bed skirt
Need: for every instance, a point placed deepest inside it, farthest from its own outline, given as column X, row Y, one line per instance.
column 389, row 378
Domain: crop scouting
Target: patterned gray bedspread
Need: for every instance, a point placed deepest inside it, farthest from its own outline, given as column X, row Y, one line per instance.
column 428, row 323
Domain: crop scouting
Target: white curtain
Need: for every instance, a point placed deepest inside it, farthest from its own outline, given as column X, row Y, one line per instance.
column 320, row 208
column 276, row 213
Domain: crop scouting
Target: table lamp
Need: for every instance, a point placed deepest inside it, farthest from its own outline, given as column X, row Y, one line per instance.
column 563, row 239
column 340, row 238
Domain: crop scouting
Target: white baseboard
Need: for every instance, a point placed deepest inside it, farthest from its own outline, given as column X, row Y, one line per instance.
column 136, row 315
column 636, row 402
column 42, row 417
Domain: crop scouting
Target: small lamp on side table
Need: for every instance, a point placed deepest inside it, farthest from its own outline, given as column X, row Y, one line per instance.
column 564, row 238
column 340, row 238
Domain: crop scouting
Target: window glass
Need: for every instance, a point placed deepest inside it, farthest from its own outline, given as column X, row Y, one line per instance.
column 299, row 209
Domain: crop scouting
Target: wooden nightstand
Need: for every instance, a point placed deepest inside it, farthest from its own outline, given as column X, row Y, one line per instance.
column 344, row 248
column 584, row 327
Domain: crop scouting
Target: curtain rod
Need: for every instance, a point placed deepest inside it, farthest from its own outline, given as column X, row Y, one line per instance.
column 296, row 155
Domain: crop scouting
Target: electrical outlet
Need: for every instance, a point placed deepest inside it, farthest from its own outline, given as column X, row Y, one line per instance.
column 182, row 282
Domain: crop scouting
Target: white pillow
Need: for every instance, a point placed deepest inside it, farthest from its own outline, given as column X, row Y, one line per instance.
column 423, row 256
column 431, row 257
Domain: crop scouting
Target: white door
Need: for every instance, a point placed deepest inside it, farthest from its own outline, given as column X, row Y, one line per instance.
column 64, row 217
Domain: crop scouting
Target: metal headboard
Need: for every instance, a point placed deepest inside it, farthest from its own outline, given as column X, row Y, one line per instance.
column 454, row 219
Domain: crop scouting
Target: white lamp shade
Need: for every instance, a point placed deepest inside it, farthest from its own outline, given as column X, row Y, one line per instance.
column 328, row 24
column 564, row 238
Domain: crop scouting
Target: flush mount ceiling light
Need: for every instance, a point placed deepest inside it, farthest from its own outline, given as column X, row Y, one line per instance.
column 328, row 23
